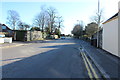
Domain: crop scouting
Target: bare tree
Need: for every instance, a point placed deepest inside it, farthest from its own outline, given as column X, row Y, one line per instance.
column 21, row 25
column 40, row 20
column 59, row 21
column 52, row 15
column 98, row 17
column 13, row 18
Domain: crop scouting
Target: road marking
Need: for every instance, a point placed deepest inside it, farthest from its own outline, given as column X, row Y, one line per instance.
column 104, row 74
column 86, row 65
column 89, row 66
column 93, row 70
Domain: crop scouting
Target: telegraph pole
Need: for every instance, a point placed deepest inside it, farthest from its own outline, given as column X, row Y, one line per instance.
column 98, row 23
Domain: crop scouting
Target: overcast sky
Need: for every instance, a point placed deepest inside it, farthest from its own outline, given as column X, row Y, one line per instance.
column 71, row 10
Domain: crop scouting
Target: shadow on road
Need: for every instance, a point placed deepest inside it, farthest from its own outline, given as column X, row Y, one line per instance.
column 51, row 64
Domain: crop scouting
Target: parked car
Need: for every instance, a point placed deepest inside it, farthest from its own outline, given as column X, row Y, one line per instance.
column 62, row 37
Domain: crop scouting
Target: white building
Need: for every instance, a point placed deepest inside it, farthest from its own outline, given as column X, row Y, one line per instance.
column 111, row 34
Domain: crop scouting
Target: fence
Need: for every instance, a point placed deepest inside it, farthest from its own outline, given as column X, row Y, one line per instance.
column 94, row 39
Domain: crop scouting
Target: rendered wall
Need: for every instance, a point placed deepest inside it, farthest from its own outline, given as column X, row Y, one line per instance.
column 110, row 37
column 119, row 29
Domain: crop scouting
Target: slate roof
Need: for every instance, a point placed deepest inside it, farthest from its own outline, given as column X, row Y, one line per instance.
column 114, row 16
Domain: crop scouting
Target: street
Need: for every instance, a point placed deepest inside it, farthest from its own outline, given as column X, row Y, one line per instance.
column 52, row 59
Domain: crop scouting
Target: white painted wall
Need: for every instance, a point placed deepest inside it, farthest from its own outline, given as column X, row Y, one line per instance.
column 119, row 29
column 110, row 37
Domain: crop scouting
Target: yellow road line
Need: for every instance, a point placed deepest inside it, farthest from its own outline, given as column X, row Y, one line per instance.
column 93, row 70
column 89, row 73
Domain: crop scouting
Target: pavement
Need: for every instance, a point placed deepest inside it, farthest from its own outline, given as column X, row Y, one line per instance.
column 20, row 43
column 108, row 63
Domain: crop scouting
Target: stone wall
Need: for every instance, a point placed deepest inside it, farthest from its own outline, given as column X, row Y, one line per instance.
column 33, row 35
column 28, row 35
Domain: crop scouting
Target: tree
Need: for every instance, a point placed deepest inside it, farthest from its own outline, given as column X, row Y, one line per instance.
column 91, row 28
column 26, row 26
column 47, row 30
column 57, row 32
column 40, row 20
column 35, row 29
column 98, row 17
column 51, row 11
column 59, row 21
column 77, row 30
column 13, row 18
column 23, row 26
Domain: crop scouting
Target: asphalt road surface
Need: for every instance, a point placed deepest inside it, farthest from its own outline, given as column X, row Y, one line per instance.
column 50, row 59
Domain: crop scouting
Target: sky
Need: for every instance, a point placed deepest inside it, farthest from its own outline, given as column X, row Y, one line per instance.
column 71, row 11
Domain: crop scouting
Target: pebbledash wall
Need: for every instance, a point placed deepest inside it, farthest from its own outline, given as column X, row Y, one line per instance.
column 33, row 35
column 111, row 30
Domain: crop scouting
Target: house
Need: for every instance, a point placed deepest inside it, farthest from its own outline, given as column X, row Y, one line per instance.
column 6, row 30
column 111, row 30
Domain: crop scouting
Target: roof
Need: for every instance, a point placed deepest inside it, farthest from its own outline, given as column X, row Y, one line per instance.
column 4, row 25
column 112, row 18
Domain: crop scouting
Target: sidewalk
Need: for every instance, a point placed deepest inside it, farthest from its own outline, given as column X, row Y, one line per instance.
column 108, row 62
column 13, row 44
column 20, row 43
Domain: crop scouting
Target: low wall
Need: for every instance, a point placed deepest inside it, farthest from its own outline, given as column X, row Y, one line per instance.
column 28, row 35
column 1, row 40
column 33, row 35
column 6, row 40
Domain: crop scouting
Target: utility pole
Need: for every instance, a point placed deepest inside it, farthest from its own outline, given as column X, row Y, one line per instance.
column 98, row 23
column 80, row 23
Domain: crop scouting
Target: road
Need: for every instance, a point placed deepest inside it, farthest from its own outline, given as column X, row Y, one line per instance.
column 51, row 59
column 58, row 59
